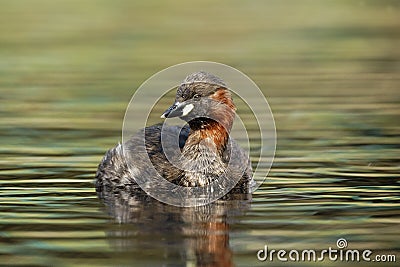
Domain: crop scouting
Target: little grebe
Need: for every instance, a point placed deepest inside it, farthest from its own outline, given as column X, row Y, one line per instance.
column 205, row 103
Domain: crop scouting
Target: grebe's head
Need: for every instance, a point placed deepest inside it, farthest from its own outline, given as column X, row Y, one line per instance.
column 201, row 98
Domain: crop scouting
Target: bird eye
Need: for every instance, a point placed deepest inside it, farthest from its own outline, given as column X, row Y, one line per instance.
column 196, row 96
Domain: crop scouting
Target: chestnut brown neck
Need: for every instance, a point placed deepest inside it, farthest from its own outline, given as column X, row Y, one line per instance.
column 211, row 131
column 218, row 128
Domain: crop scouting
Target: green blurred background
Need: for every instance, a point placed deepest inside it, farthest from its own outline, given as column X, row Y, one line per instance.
column 68, row 63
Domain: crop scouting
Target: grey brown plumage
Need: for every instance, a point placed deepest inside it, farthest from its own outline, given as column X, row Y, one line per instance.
column 207, row 152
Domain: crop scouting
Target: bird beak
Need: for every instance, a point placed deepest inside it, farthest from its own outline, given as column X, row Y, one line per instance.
column 169, row 113
column 178, row 110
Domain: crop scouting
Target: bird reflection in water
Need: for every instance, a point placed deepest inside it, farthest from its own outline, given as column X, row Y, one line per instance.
column 173, row 236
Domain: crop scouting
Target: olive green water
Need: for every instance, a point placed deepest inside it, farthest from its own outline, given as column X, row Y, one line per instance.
column 330, row 70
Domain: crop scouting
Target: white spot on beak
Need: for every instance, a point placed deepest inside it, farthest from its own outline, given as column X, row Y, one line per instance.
column 186, row 110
